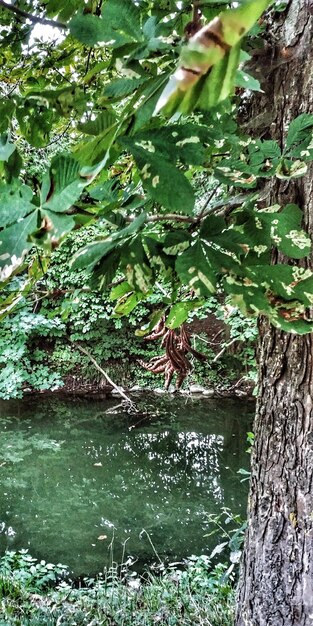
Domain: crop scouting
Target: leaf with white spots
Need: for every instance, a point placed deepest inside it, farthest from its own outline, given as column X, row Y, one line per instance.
column 286, row 232
column 165, row 183
column 194, row 269
column 177, row 142
column 246, row 81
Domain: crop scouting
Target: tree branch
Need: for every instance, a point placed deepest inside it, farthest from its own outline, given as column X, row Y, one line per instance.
column 36, row 19
column 106, row 376
column 218, row 356
column 226, row 205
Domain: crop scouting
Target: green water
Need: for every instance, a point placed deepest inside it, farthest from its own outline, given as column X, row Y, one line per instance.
column 77, row 474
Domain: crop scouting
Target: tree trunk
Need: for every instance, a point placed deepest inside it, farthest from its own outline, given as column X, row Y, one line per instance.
column 276, row 581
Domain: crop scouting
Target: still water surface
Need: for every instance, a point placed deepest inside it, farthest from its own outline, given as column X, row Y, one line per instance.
column 75, row 476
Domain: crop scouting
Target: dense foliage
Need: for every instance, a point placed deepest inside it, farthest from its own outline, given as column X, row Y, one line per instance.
column 201, row 592
column 36, row 340
column 143, row 137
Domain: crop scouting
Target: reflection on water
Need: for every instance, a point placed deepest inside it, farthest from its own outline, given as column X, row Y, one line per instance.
column 73, row 477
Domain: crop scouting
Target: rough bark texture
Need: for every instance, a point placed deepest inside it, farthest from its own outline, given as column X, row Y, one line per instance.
column 276, row 583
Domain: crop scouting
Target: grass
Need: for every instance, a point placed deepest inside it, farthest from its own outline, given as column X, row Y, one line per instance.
column 200, row 594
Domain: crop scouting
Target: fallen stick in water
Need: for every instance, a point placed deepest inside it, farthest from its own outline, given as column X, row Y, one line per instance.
column 106, row 376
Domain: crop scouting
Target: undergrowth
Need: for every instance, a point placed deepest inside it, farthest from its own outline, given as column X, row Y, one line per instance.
column 34, row 594
column 35, row 353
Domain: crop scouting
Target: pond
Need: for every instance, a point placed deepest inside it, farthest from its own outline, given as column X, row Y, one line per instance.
column 81, row 479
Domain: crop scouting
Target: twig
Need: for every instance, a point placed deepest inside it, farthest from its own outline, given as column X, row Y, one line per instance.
column 106, row 376
column 223, row 350
column 210, row 343
column 36, row 19
column 151, row 544
column 59, row 136
column 60, row 73
column 218, row 334
column 238, row 383
column 196, row 13
column 207, row 202
column 58, row 293
column 231, row 203
column 159, row 286
column 88, row 61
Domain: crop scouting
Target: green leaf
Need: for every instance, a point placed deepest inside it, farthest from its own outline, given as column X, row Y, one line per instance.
column 194, row 269
column 219, row 84
column 286, row 233
column 269, row 149
column 185, row 142
column 63, row 10
column 60, row 224
column 291, row 169
column 122, row 87
column 88, row 29
column 102, row 123
column 280, row 279
column 123, row 22
column 7, row 108
column 212, row 225
column 118, row 25
column 14, row 242
column 13, row 166
column 15, row 202
column 303, row 289
column 136, row 266
column 114, row 218
column 299, row 326
column 298, row 129
column 93, row 252
column 120, row 290
column 127, row 303
column 105, row 192
column 62, row 101
column 165, row 183
column 237, row 22
column 179, row 313
column 176, row 241
column 88, row 256
column 65, row 184
column 249, row 297
column 134, row 226
column 6, row 147
column 104, row 272
column 35, row 120
column 147, row 97
column 94, row 153
column 246, row 81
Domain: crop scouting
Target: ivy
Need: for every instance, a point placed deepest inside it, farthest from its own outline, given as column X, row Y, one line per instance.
column 19, row 367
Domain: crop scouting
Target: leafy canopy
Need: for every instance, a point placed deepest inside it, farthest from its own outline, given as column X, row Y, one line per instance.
column 145, row 95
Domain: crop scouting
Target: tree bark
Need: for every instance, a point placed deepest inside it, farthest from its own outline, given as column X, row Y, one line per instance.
column 276, row 581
